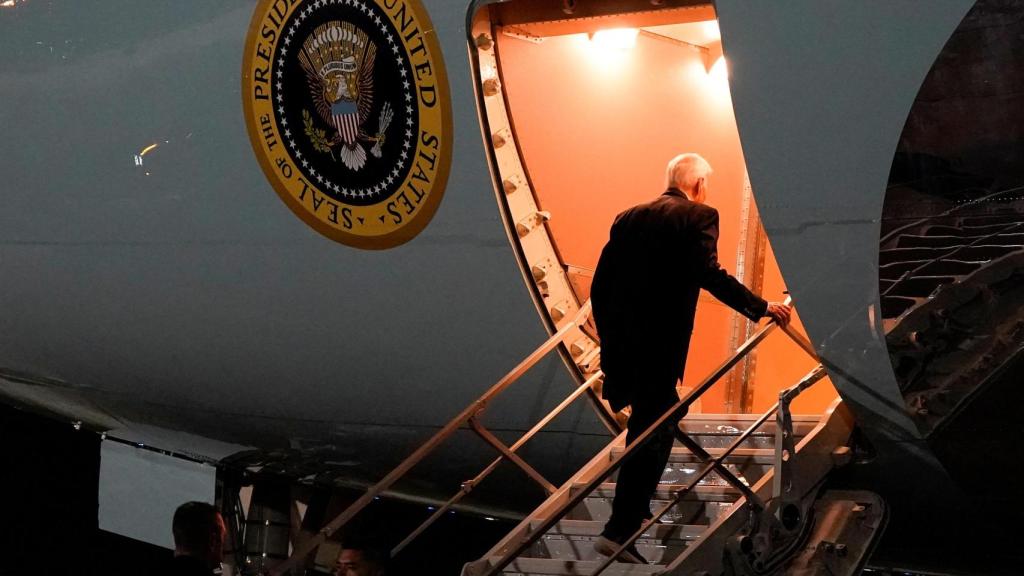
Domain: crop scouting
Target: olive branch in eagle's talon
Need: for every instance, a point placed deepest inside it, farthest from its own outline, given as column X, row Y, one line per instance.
column 317, row 136
column 385, row 120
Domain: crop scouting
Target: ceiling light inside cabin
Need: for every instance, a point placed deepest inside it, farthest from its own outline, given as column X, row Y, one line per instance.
column 615, row 39
column 711, row 30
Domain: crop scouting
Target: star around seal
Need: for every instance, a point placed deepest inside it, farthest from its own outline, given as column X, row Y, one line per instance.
column 348, row 112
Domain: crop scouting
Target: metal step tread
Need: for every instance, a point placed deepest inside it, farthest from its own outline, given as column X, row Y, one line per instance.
column 740, row 421
column 529, row 566
column 920, row 285
column 944, row 241
column 660, row 544
column 681, row 454
column 701, row 492
column 925, row 251
column 967, row 230
column 593, row 528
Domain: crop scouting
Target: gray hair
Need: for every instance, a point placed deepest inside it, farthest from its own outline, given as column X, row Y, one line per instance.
column 684, row 170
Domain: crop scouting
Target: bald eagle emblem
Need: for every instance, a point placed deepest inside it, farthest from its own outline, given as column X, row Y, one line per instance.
column 338, row 59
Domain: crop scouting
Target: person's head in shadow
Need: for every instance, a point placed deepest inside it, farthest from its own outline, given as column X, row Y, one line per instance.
column 360, row 557
column 199, row 534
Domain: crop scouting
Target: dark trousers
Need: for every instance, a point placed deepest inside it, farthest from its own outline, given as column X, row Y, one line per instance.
column 639, row 475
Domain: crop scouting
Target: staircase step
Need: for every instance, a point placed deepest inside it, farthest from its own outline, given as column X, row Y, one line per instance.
column 895, row 255
column 952, row 241
column 748, row 464
column 681, row 454
column 572, row 547
column 981, row 252
column 550, row 566
column 702, row 505
column 930, row 241
column 893, row 306
column 955, row 267
column 574, row 540
column 666, row 491
column 895, row 270
column 955, row 225
column 658, row 532
column 720, row 430
column 920, row 286
column 963, row 231
column 1005, row 218
column 983, row 229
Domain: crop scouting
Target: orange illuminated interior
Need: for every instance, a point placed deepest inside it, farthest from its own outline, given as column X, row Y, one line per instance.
column 596, row 125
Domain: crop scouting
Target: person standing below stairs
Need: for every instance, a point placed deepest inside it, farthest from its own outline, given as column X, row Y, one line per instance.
column 659, row 255
column 199, row 534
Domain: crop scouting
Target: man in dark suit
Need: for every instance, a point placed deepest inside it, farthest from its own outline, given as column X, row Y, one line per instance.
column 659, row 255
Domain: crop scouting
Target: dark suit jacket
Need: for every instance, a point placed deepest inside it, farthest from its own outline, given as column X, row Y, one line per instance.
column 659, row 255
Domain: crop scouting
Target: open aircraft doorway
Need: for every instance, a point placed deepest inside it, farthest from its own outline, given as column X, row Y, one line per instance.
column 582, row 105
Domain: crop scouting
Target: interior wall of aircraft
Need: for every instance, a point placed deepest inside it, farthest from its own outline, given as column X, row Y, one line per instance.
column 596, row 124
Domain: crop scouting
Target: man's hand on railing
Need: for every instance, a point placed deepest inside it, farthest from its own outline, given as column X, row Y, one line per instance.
column 779, row 312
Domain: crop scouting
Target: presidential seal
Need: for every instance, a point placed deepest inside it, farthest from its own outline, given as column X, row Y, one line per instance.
column 347, row 107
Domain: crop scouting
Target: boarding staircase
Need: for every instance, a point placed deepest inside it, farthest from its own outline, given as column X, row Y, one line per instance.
column 951, row 286
column 915, row 261
column 567, row 546
column 741, row 494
